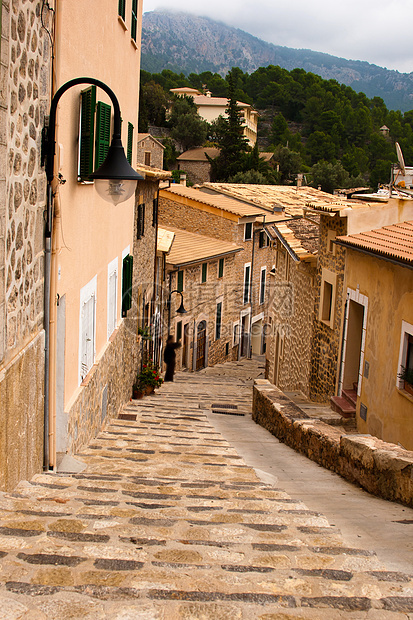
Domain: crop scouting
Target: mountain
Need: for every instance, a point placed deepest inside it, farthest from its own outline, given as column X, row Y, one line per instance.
column 186, row 43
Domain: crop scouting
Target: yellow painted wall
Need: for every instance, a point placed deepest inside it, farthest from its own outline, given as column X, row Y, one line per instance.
column 91, row 41
column 389, row 289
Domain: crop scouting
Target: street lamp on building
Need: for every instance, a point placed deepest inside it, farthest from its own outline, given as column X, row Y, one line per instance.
column 180, row 310
column 115, row 181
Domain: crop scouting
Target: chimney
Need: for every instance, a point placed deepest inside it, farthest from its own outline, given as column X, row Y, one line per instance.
column 182, row 180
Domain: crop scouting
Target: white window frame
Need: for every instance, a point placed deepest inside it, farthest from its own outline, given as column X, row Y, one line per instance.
column 112, row 304
column 246, row 266
column 262, row 296
column 236, row 326
column 330, row 278
column 87, row 293
column 406, row 331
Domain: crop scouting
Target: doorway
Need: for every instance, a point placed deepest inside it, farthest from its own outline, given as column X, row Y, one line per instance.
column 201, row 345
column 353, row 353
column 244, row 335
column 256, row 337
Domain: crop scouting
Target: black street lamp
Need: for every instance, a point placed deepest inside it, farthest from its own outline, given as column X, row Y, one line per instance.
column 180, row 310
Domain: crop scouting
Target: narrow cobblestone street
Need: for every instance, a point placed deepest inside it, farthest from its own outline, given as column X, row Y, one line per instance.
column 168, row 522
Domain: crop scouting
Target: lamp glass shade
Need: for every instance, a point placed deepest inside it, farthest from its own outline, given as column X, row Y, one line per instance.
column 115, row 190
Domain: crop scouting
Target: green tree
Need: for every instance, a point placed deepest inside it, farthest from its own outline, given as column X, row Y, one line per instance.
column 289, row 163
column 321, row 146
column 188, row 128
column 154, row 103
column 329, row 176
column 233, row 144
column 170, row 153
column 252, row 177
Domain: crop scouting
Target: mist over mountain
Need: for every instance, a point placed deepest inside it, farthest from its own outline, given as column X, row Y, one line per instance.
column 186, row 43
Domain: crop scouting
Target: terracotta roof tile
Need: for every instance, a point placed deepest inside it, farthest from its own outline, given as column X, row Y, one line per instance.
column 394, row 242
column 188, row 247
column 198, row 154
column 300, row 235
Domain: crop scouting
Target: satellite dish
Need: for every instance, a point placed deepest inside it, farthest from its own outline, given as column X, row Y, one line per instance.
column 400, row 159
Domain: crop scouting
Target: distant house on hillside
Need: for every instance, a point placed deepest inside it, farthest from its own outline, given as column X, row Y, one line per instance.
column 210, row 108
column 150, row 151
column 196, row 165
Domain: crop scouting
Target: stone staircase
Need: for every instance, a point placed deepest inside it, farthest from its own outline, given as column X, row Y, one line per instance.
column 345, row 405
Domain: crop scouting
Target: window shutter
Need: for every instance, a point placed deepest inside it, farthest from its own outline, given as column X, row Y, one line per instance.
column 130, row 143
column 262, row 288
column 218, row 322
column 247, row 284
column 127, row 272
column 140, row 224
column 134, row 22
column 87, row 123
column 88, row 336
column 155, row 212
column 204, row 271
column 121, row 9
column 103, row 115
column 180, row 281
column 221, row 268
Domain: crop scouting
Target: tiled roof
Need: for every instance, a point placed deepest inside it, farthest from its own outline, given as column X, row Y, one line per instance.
column 392, row 242
column 165, row 239
column 218, row 101
column 224, row 203
column 300, row 235
column 198, row 154
column 294, row 200
column 155, row 173
column 142, row 136
column 188, row 248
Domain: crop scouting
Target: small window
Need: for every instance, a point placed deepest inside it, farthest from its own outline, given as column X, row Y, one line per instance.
column 130, row 143
column 248, row 231
column 87, row 328
column 405, row 372
column 218, row 321
column 121, row 9
column 226, row 349
column 180, row 281
column 204, row 272
column 140, row 224
column 134, row 20
column 247, row 283
column 147, row 158
column 236, row 334
column 331, row 246
column 127, row 272
column 263, row 240
column 262, row 284
column 327, row 301
column 221, row 268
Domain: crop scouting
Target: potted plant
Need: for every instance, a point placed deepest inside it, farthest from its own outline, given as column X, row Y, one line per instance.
column 147, row 380
column 406, row 375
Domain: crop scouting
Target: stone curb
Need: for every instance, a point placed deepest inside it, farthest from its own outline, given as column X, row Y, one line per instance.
column 383, row 469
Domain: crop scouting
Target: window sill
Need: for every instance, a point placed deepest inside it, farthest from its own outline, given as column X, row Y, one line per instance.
column 327, row 323
column 134, row 44
column 407, row 395
column 122, row 23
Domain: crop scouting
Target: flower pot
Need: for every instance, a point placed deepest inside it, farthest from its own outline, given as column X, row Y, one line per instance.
column 137, row 394
column 149, row 389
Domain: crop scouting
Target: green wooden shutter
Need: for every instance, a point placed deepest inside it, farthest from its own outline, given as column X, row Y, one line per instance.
column 221, row 268
column 121, row 9
column 140, row 224
column 87, row 123
column 218, row 321
column 103, row 115
column 180, row 281
column 127, row 272
column 204, row 271
column 130, row 143
column 134, row 23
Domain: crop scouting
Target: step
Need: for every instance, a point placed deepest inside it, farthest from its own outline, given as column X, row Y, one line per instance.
column 351, row 396
column 342, row 406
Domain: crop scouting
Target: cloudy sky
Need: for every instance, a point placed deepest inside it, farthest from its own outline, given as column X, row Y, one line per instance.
column 378, row 31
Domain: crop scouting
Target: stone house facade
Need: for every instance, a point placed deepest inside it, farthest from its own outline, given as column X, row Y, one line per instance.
column 242, row 224
column 149, row 151
column 24, row 99
column 196, row 165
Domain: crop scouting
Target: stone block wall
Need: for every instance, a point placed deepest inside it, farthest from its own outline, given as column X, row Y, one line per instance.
column 292, row 318
column 148, row 145
column 381, row 468
column 197, row 171
column 24, row 101
column 326, row 340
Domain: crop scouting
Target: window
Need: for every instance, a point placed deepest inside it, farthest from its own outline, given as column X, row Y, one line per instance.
column 204, row 272
column 140, row 224
column 327, row 297
column 127, row 272
column 112, row 295
column 221, row 268
column 87, row 128
column 262, row 284
column 87, row 328
column 331, row 246
column 247, row 282
column 248, row 231
column 102, row 143
column 129, row 149
column 263, row 239
column 180, row 281
column 236, row 333
column 121, row 9
column 405, row 367
column 155, row 212
column 134, row 20
column 147, row 158
column 218, row 321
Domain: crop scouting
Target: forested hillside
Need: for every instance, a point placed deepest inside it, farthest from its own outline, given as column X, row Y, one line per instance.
column 310, row 120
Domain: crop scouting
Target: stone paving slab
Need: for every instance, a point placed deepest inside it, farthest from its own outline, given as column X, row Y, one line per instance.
column 168, row 522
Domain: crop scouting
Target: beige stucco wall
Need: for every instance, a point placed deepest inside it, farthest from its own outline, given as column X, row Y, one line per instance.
column 389, row 289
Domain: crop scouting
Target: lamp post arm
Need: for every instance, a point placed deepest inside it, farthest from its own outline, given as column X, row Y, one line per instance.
column 51, row 139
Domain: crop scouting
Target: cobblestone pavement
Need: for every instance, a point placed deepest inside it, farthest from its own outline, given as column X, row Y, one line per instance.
column 167, row 522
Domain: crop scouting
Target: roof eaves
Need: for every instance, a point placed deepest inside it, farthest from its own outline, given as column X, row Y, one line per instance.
column 176, row 265
column 376, row 252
